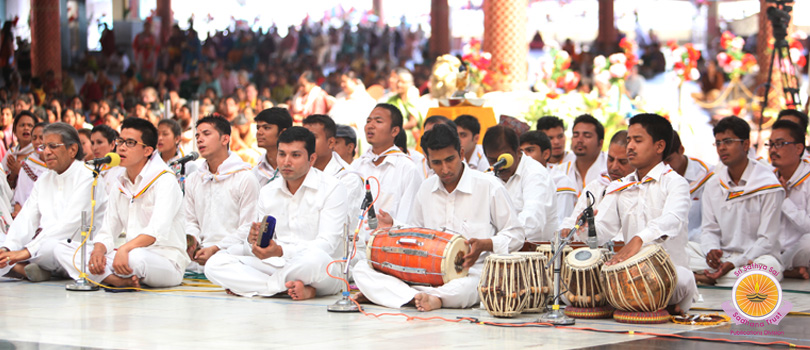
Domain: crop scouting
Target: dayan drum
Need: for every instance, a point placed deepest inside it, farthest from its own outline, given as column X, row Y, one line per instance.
column 539, row 281
column 504, row 287
column 418, row 255
column 581, row 276
column 641, row 286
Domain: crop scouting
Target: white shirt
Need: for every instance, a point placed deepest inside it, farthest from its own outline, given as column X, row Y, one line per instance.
column 313, row 217
column 742, row 218
column 353, row 183
column 264, row 172
column 55, row 205
column 478, row 161
column 567, row 157
column 569, row 169
column 598, row 188
column 421, row 163
column 566, row 195
column 110, row 176
column 30, row 170
column 697, row 174
column 649, row 208
column 149, row 206
column 534, row 196
column 399, row 181
column 219, row 208
column 352, row 111
column 795, row 214
column 479, row 207
column 5, row 208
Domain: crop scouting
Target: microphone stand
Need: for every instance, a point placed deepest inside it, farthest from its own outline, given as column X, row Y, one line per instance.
column 345, row 304
column 81, row 284
column 183, row 177
column 555, row 316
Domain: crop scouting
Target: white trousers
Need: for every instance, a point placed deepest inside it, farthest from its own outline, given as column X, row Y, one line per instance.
column 686, row 289
column 389, row 291
column 698, row 264
column 797, row 255
column 45, row 259
column 152, row 269
column 250, row 276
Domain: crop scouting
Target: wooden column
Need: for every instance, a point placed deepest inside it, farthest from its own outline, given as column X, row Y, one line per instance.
column 439, row 28
column 608, row 37
column 46, row 43
column 505, row 37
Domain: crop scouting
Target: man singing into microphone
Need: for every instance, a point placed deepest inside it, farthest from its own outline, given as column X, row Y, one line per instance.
column 529, row 184
column 220, row 197
column 155, row 249
column 469, row 202
column 53, row 212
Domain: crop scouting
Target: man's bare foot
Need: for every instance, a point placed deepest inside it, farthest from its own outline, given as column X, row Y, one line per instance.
column 674, row 310
column 121, row 282
column 427, row 302
column 228, row 291
column 360, row 298
column 798, row 273
column 298, row 291
column 702, row 278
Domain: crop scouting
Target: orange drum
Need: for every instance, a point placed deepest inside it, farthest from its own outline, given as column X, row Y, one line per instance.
column 418, row 255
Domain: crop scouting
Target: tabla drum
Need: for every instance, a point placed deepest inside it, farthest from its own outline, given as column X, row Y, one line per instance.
column 539, row 282
column 581, row 277
column 641, row 286
column 418, row 255
column 504, row 286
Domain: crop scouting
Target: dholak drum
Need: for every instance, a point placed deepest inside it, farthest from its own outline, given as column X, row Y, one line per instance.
column 418, row 255
column 585, row 293
column 504, row 287
column 641, row 286
column 539, row 282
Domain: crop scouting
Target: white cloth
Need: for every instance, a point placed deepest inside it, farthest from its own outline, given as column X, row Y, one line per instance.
column 742, row 218
column 478, row 161
column 567, row 157
column 566, row 195
column 30, row 171
column 655, row 209
column 479, row 207
column 264, row 172
column 309, row 226
column 152, row 268
column 421, row 163
column 795, row 223
column 152, row 206
column 697, row 174
column 353, row 183
column 352, row 111
column 598, row 188
column 534, row 195
column 16, row 151
column 698, row 264
column 569, row 169
column 110, row 176
column 5, row 208
column 219, row 208
column 47, row 259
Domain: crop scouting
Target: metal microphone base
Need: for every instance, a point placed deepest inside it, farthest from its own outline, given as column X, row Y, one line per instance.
column 81, row 285
column 343, row 305
column 556, row 317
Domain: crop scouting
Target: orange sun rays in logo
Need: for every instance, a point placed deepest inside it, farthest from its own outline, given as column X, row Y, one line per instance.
column 756, row 295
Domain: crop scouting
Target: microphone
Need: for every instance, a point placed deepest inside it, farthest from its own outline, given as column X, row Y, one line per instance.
column 113, row 159
column 372, row 216
column 504, row 161
column 592, row 241
column 189, row 157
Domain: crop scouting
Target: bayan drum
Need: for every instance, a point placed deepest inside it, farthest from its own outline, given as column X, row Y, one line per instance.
column 641, row 286
column 581, row 276
column 504, row 287
column 418, row 255
column 539, row 282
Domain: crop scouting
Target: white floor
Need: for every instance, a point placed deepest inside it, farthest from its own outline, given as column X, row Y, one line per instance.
column 45, row 315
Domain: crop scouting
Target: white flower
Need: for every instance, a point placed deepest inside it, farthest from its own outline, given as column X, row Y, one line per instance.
column 795, row 54
column 799, row 35
column 618, row 71
column 486, row 55
column 736, row 64
column 738, row 43
column 562, row 55
column 694, row 74
column 602, row 77
column 618, row 58
column 722, row 57
column 599, row 63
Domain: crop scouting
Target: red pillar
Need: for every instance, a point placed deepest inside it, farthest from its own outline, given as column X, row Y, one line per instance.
column 505, row 37
column 164, row 11
column 46, row 43
column 608, row 36
column 712, row 26
column 439, row 28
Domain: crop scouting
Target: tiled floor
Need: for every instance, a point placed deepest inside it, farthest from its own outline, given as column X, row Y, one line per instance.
column 45, row 316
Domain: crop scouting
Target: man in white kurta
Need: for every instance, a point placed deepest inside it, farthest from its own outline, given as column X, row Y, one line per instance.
column 270, row 123
column 697, row 173
column 569, row 169
column 535, row 144
column 53, row 211
column 309, row 225
column 30, row 170
column 792, row 170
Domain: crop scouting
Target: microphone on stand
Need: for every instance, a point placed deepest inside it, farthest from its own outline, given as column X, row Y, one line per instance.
column 592, row 241
column 367, row 200
column 113, row 159
column 188, row 158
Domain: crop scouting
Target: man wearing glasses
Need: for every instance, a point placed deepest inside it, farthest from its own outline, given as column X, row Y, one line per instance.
column 52, row 213
column 786, row 151
column 741, row 211
column 146, row 207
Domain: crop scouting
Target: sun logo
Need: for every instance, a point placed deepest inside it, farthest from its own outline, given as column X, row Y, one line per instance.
column 757, row 295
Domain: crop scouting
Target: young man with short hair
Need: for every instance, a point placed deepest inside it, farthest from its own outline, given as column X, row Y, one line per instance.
column 586, row 143
column 537, row 145
column 147, row 207
column 270, row 123
column 741, row 211
column 554, row 128
column 220, row 199
column 310, row 210
column 469, row 130
column 529, row 184
column 345, row 143
column 697, row 174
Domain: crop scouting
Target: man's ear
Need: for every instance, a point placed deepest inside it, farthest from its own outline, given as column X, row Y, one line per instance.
column 312, row 158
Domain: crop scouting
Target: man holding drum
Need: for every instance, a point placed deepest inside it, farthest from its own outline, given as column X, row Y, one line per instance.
column 465, row 201
column 650, row 205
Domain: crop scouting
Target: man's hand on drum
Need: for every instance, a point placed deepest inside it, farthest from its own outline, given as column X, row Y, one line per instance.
column 477, row 246
column 630, row 249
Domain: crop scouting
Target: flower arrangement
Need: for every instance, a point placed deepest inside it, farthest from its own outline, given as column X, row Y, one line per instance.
column 556, row 72
column 686, row 58
column 616, row 67
column 733, row 60
column 482, row 71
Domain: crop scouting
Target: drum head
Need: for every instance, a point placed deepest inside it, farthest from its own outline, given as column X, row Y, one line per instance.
column 584, row 257
column 544, row 248
column 643, row 254
column 452, row 264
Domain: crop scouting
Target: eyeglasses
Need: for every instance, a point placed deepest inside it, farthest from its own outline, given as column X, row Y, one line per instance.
column 50, row 146
column 129, row 142
column 778, row 145
column 726, row 142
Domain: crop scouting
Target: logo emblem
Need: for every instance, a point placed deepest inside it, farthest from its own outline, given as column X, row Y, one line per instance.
column 757, row 300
